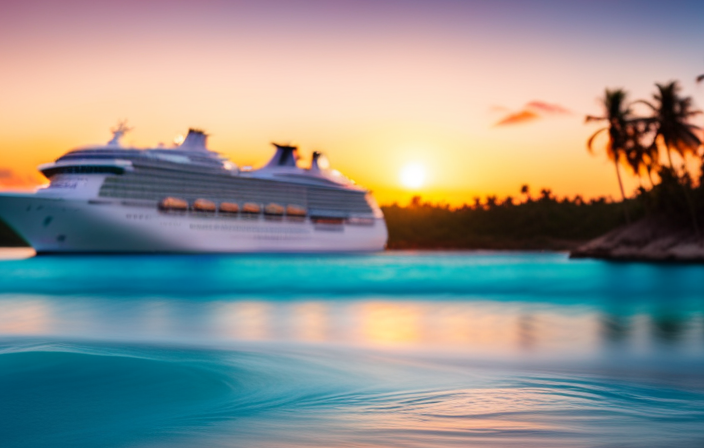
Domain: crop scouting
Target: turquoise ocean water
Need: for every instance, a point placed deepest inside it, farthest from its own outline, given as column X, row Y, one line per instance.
column 394, row 349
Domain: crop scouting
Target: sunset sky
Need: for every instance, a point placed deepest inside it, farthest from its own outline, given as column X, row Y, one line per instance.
column 484, row 96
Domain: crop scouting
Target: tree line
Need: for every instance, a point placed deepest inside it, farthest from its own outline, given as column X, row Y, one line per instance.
column 530, row 222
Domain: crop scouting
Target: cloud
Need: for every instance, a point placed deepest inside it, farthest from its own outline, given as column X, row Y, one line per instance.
column 533, row 111
column 523, row 116
column 547, row 108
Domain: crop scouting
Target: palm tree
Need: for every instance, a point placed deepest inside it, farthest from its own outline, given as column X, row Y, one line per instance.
column 525, row 190
column 673, row 130
column 618, row 116
column 639, row 155
column 671, row 121
column 545, row 194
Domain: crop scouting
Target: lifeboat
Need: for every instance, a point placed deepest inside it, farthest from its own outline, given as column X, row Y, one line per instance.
column 173, row 204
column 204, row 205
column 229, row 208
column 360, row 221
column 251, row 208
column 295, row 210
column 328, row 221
column 274, row 209
column 295, row 213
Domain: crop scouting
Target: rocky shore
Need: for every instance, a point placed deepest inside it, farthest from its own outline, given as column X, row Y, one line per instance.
column 650, row 239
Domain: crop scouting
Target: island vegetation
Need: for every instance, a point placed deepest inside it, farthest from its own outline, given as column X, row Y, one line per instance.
column 672, row 195
column 543, row 222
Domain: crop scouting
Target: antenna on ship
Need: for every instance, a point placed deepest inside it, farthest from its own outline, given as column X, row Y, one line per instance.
column 118, row 132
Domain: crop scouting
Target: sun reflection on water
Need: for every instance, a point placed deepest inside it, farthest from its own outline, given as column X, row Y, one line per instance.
column 241, row 320
column 25, row 317
column 310, row 321
column 483, row 327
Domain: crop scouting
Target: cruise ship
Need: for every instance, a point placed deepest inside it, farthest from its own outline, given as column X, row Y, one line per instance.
column 187, row 199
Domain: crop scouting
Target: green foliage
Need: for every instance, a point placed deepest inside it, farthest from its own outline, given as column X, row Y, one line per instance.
column 677, row 197
column 640, row 143
column 546, row 223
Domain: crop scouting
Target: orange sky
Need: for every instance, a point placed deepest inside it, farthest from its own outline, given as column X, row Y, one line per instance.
column 374, row 85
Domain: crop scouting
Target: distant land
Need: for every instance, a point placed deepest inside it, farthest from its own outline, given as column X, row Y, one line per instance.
column 654, row 238
column 662, row 224
column 542, row 223
column 666, row 224
column 669, row 225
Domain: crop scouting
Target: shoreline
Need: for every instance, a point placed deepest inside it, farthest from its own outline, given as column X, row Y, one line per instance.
column 652, row 239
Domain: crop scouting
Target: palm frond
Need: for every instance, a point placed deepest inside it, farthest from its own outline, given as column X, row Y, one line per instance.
column 647, row 103
column 590, row 118
column 693, row 139
column 590, row 142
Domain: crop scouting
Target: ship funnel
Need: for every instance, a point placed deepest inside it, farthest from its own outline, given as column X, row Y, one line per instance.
column 195, row 141
column 286, row 155
column 319, row 162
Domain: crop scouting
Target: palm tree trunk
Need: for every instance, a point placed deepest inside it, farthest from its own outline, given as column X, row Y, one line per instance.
column 669, row 158
column 623, row 194
column 688, row 199
column 650, row 178
column 693, row 214
column 692, row 211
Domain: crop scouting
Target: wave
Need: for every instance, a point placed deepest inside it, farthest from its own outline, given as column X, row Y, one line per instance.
column 127, row 396
column 69, row 397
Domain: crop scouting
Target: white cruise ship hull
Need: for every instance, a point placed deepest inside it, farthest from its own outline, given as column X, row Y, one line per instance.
column 61, row 225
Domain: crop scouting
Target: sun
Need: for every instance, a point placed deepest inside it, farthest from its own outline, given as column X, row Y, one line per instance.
column 413, row 176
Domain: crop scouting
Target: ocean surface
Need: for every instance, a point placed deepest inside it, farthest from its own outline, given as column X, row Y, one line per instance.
column 393, row 350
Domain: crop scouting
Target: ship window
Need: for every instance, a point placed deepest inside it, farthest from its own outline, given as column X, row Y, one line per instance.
column 83, row 170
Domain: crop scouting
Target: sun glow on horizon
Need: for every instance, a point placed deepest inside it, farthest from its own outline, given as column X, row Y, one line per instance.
column 413, row 176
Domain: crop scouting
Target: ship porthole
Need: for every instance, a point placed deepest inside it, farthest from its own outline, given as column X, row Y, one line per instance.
column 47, row 220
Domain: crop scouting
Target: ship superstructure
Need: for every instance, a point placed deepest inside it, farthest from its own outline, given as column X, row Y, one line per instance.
column 110, row 198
